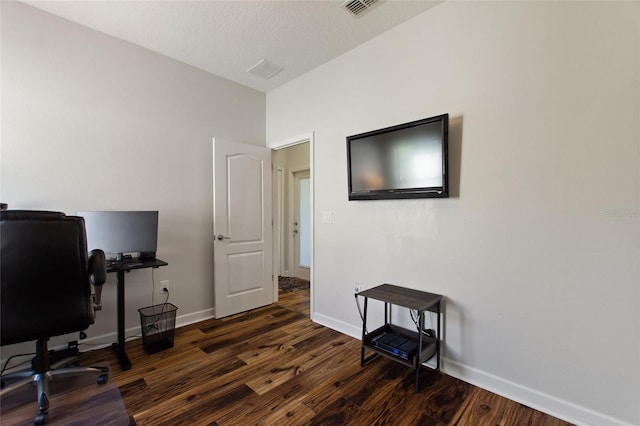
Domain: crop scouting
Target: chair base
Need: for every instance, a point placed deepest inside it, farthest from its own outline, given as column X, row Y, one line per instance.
column 16, row 381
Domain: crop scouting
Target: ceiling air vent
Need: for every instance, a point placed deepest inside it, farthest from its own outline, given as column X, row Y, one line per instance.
column 358, row 8
column 265, row 69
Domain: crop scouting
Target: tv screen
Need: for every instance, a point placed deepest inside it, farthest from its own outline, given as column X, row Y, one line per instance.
column 122, row 231
column 404, row 161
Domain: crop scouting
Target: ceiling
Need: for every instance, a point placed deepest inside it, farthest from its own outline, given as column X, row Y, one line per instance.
column 227, row 38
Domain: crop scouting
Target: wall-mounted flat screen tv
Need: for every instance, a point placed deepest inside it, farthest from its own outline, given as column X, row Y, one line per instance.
column 409, row 160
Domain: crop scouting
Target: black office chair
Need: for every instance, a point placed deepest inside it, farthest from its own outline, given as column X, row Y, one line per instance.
column 46, row 276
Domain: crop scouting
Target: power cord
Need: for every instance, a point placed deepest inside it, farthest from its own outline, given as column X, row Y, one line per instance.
column 428, row 332
column 6, row 363
column 150, row 326
column 162, row 311
column 360, row 311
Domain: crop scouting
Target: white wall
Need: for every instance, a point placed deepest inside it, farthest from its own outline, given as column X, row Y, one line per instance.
column 90, row 122
column 538, row 251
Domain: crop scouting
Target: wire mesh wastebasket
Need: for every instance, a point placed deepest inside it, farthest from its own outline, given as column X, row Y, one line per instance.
column 158, row 324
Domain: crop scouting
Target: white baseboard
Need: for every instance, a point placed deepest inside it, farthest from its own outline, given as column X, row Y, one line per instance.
column 342, row 327
column 540, row 401
column 194, row 317
column 105, row 340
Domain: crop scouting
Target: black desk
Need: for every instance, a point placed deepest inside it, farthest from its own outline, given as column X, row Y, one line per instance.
column 120, row 269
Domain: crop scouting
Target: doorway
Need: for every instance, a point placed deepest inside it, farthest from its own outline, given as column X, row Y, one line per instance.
column 293, row 225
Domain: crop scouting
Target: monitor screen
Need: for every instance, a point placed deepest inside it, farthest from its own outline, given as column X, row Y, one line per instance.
column 122, row 231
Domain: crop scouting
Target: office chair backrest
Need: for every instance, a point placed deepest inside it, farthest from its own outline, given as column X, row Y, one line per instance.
column 45, row 289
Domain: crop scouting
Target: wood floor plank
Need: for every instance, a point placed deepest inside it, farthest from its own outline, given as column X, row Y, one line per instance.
column 251, row 344
column 437, row 402
column 293, row 335
column 294, row 389
column 273, row 365
column 177, row 358
column 339, row 412
column 227, row 336
column 294, row 412
column 444, row 397
column 201, row 405
column 487, row 408
column 312, row 351
column 166, row 383
column 272, row 349
column 296, row 301
column 347, row 381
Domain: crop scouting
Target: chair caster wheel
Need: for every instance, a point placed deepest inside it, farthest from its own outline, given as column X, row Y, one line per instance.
column 103, row 378
column 40, row 419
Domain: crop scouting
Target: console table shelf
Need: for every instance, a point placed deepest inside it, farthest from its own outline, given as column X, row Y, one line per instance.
column 426, row 347
column 429, row 345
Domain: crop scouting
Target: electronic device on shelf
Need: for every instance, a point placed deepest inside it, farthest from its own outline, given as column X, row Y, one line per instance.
column 395, row 344
column 121, row 232
column 409, row 160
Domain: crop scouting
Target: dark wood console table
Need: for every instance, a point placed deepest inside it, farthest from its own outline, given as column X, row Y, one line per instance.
column 420, row 301
column 120, row 269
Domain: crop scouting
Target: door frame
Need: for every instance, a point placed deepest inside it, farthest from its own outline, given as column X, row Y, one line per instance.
column 278, row 219
column 286, row 143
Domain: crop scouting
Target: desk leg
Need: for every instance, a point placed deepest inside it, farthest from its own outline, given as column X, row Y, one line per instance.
column 125, row 364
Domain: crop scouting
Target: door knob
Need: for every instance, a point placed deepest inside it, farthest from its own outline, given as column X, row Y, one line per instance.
column 222, row 237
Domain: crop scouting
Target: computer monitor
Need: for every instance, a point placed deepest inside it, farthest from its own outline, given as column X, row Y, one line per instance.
column 121, row 232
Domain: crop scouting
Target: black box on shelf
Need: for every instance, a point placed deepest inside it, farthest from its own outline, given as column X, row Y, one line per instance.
column 395, row 344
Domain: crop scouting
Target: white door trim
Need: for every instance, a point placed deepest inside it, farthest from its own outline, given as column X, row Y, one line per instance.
column 296, row 140
column 279, row 225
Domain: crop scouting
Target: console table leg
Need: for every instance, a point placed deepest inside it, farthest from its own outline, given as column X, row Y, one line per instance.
column 364, row 331
column 419, row 360
column 438, row 341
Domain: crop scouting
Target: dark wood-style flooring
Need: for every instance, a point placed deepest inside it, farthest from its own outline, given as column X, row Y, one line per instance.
column 275, row 366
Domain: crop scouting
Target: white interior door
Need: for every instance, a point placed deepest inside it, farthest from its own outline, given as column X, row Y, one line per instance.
column 302, row 224
column 242, row 226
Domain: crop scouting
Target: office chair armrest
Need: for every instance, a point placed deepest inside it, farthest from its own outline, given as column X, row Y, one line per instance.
column 97, row 267
column 97, row 275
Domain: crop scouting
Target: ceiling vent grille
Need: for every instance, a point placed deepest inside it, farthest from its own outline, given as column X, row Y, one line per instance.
column 358, row 8
column 265, row 69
